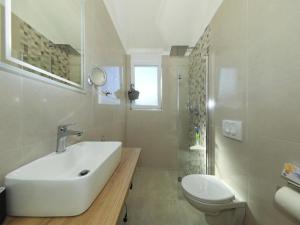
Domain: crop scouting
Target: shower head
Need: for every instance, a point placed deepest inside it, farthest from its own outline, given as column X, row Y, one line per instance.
column 179, row 50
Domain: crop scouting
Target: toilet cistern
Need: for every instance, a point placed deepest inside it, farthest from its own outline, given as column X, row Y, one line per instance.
column 62, row 133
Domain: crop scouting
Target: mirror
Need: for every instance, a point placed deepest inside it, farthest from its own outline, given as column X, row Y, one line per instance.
column 111, row 92
column 97, row 77
column 45, row 38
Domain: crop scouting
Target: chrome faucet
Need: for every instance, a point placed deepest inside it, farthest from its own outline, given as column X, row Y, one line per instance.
column 62, row 133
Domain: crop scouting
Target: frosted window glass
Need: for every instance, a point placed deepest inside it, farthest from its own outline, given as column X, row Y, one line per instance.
column 146, row 82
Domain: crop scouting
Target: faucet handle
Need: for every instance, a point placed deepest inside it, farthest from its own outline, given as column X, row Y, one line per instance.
column 65, row 126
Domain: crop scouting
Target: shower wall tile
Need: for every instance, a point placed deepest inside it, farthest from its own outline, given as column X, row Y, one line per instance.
column 195, row 162
column 31, row 110
column 197, row 86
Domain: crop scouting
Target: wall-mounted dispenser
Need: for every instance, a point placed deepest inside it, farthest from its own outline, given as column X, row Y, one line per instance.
column 288, row 197
column 289, row 200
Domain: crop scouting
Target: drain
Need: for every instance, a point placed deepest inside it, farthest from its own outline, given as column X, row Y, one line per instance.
column 83, row 173
column 179, row 179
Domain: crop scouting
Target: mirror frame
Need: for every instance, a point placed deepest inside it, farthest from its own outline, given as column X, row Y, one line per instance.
column 60, row 81
column 90, row 79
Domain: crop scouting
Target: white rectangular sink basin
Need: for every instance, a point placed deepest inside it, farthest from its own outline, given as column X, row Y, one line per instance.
column 52, row 186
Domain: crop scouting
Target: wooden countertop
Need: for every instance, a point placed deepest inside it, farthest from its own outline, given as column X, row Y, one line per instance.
column 106, row 208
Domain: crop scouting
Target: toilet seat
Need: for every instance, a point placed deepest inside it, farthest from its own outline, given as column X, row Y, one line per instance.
column 207, row 189
column 214, row 198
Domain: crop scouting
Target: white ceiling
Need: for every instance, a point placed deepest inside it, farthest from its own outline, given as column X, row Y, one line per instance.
column 156, row 25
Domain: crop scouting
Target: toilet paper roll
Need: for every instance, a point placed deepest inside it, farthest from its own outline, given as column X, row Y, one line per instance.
column 289, row 200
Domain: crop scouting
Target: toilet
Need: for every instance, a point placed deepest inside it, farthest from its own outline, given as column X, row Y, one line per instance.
column 213, row 197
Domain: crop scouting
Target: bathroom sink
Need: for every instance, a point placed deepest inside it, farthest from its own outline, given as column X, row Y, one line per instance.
column 62, row 184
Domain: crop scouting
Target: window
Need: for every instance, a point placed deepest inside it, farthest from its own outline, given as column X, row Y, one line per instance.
column 147, row 80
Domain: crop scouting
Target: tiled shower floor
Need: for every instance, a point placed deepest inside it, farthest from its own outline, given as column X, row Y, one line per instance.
column 155, row 200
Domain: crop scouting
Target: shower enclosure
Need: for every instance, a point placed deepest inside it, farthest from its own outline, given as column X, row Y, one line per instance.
column 193, row 153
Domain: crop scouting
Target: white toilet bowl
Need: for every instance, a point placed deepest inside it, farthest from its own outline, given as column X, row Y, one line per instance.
column 211, row 196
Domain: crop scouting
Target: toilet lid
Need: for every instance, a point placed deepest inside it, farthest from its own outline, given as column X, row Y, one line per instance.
column 208, row 189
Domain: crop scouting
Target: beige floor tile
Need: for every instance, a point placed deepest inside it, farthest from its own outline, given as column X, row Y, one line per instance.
column 156, row 199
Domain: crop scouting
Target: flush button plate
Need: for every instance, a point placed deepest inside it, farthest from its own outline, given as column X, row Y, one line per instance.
column 233, row 129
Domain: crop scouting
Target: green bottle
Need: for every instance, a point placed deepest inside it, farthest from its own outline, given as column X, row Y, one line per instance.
column 197, row 135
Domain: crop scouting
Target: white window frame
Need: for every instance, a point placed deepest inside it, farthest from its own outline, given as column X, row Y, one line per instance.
column 147, row 61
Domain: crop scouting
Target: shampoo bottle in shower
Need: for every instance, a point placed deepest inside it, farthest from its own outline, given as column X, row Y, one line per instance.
column 197, row 135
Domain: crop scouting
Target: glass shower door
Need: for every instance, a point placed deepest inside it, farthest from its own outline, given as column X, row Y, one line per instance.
column 192, row 115
column 183, row 123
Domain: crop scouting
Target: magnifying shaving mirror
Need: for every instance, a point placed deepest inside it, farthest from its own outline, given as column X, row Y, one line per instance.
column 98, row 77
